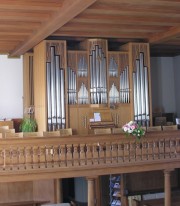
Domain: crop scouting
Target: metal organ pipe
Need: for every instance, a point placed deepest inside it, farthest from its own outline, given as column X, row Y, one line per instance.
column 124, row 86
column 139, row 113
column 58, row 90
column 71, row 86
column 62, row 98
column 98, row 77
column 55, row 92
column 146, row 97
column 141, row 92
column 142, row 83
column 48, row 87
column 53, row 88
column 135, row 97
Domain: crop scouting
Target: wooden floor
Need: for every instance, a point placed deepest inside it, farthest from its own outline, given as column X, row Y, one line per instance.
column 24, row 203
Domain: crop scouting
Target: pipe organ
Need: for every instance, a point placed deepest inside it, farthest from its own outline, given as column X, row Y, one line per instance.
column 79, row 80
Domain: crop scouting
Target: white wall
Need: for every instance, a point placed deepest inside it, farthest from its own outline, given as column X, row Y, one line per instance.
column 163, row 83
column 80, row 189
column 177, row 83
column 11, row 87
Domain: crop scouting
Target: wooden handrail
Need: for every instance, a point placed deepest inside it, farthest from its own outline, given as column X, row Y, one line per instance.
column 54, row 157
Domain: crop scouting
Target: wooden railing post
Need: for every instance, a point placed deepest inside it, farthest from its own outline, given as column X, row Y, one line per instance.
column 167, row 187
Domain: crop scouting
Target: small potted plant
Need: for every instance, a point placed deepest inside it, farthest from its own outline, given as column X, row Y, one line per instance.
column 28, row 125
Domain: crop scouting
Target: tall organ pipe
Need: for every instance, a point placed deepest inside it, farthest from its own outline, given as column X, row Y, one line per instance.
column 53, row 88
column 58, row 92
column 141, row 92
column 135, row 97
column 127, row 86
column 124, row 85
column 62, row 98
column 55, row 92
column 142, row 83
column 147, row 96
column 98, row 77
column 49, row 105
column 138, row 91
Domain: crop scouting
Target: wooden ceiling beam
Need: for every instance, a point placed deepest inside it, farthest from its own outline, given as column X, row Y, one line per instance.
column 164, row 36
column 68, row 11
column 104, row 26
column 120, row 21
column 136, row 2
column 102, row 34
column 130, row 19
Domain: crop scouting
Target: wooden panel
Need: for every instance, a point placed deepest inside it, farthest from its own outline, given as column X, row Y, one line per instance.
column 145, row 182
column 73, row 119
column 29, row 191
column 28, row 93
column 83, row 118
column 17, row 191
column 7, row 123
column 102, row 131
column 125, row 114
column 40, row 86
column 44, row 190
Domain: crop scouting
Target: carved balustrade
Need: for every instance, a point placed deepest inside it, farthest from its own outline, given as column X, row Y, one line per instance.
column 47, row 157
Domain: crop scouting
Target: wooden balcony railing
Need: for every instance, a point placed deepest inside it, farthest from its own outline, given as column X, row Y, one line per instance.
column 47, row 157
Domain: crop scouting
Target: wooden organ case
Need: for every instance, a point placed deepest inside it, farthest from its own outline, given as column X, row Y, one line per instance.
column 93, row 80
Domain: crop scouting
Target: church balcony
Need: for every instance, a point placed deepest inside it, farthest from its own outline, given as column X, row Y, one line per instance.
column 33, row 158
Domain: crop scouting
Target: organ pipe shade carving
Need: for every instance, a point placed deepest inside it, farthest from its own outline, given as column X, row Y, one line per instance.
column 98, row 76
column 141, row 92
column 55, row 92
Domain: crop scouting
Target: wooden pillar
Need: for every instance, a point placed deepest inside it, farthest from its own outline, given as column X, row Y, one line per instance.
column 58, row 191
column 98, row 191
column 167, row 187
column 91, row 191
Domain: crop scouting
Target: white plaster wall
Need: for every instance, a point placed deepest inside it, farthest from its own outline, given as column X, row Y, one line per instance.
column 156, row 83
column 80, row 189
column 168, row 85
column 177, row 83
column 163, row 83
column 11, row 87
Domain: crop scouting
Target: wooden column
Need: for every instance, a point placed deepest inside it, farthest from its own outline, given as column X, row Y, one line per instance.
column 58, row 191
column 167, row 187
column 91, row 191
column 98, row 191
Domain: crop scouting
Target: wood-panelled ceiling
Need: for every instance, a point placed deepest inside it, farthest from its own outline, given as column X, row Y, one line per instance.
column 24, row 23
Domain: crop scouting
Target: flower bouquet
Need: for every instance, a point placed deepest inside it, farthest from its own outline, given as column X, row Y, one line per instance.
column 134, row 129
